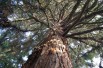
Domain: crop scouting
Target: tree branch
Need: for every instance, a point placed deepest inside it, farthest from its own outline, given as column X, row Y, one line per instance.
column 91, row 15
column 84, row 32
column 6, row 24
column 69, row 27
column 62, row 11
column 66, row 20
column 93, row 5
column 88, row 38
column 51, row 14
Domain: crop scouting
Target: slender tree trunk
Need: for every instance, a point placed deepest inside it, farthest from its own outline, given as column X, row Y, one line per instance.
column 52, row 53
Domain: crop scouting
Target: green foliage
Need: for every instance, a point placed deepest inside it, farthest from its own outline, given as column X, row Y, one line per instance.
column 30, row 22
column 3, row 2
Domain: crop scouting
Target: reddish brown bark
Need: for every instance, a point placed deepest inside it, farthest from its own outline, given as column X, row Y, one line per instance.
column 52, row 53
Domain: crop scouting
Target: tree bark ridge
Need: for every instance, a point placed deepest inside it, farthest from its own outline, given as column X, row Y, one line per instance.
column 53, row 53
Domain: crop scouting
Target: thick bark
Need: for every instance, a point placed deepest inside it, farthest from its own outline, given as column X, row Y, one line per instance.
column 52, row 53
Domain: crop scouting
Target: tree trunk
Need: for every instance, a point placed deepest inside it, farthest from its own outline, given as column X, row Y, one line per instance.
column 52, row 53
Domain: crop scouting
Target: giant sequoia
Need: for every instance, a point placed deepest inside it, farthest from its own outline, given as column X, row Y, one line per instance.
column 60, row 22
column 53, row 51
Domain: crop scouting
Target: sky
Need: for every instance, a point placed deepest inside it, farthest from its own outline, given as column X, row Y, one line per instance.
column 96, row 60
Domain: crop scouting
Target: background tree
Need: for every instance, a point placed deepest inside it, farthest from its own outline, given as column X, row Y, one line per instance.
column 23, row 24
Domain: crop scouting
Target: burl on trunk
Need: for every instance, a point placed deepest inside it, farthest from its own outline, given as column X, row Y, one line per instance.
column 52, row 53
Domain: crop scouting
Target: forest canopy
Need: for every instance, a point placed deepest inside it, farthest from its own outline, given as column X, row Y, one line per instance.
column 25, row 23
